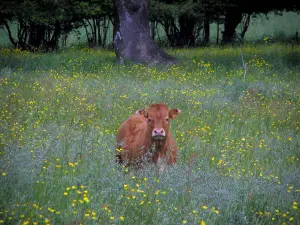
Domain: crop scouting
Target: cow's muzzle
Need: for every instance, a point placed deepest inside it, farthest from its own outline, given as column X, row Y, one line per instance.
column 158, row 134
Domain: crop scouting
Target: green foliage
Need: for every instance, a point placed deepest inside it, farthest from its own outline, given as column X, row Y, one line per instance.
column 42, row 24
column 238, row 141
column 163, row 10
column 47, row 12
column 88, row 8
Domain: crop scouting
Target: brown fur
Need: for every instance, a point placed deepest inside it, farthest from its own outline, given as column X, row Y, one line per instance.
column 134, row 138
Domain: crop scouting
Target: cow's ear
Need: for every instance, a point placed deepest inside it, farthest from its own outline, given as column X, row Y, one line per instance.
column 142, row 112
column 173, row 113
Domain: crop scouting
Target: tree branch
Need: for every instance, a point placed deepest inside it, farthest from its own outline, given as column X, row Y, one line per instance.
column 12, row 40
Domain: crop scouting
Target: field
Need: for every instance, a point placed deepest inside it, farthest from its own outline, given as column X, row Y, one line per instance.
column 238, row 137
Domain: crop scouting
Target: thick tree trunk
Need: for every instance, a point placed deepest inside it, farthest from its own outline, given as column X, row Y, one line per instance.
column 232, row 19
column 132, row 40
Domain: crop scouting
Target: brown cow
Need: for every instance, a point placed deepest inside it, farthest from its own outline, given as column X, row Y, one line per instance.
column 146, row 137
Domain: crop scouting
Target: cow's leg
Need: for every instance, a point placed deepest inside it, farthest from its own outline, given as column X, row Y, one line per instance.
column 172, row 155
column 160, row 162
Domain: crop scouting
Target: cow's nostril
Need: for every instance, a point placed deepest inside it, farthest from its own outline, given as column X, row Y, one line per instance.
column 158, row 132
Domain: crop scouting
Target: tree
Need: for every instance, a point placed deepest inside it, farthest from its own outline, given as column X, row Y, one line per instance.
column 132, row 40
column 95, row 16
column 236, row 10
column 42, row 24
column 183, row 20
column 39, row 23
column 232, row 18
column 179, row 20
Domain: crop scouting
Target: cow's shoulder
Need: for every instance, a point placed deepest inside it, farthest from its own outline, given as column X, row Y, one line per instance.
column 134, row 126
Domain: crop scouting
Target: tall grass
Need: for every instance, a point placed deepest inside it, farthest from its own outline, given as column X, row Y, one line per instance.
column 238, row 140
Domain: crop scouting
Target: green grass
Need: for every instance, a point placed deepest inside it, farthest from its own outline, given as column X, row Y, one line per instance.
column 238, row 140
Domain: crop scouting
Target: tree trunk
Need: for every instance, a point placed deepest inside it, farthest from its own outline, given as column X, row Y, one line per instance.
column 105, row 29
column 132, row 40
column 54, row 42
column 12, row 40
column 171, row 30
column 36, row 35
column 186, row 33
column 232, row 18
column 246, row 22
column 218, row 28
column 206, row 28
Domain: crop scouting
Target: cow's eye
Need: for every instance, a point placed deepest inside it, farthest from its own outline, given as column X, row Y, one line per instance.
column 149, row 120
column 167, row 120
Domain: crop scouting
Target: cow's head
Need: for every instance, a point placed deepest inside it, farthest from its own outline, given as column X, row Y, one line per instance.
column 158, row 117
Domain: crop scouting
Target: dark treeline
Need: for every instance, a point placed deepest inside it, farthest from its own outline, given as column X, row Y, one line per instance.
column 46, row 24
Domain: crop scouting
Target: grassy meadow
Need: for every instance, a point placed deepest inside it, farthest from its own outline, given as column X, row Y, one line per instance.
column 238, row 137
